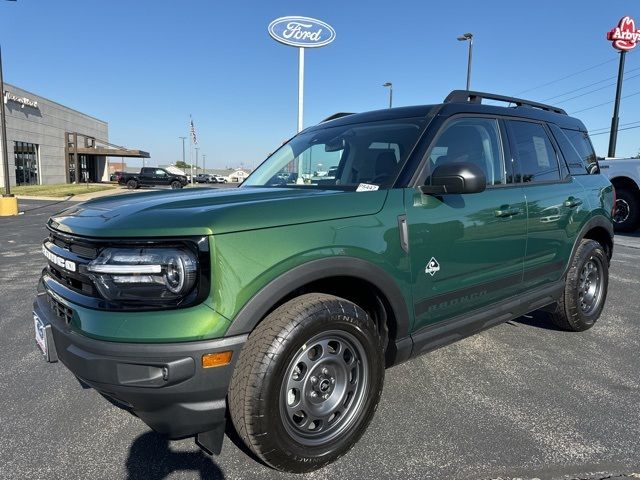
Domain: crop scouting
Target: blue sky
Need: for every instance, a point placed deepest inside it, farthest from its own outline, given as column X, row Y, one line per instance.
column 145, row 65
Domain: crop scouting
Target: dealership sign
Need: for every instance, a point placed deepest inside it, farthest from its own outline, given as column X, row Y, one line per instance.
column 625, row 36
column 303, row 32
column 23, row 101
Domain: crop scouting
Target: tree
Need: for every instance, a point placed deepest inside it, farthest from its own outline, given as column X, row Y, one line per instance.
column 182, row 165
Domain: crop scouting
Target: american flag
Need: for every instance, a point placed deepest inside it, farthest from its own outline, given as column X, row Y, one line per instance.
column 192, row 130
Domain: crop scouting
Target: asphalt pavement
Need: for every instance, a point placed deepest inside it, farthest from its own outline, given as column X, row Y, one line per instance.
column 522, row 400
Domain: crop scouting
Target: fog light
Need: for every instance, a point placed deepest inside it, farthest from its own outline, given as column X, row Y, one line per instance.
column 218, row 359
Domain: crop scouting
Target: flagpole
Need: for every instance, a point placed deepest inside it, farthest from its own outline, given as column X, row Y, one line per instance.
column 191, row 147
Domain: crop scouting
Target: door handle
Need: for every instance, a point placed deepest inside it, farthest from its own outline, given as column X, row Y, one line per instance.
column 507, row 212
column 572, row 202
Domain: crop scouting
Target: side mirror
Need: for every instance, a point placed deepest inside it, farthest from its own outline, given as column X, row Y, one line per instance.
column 462, row 177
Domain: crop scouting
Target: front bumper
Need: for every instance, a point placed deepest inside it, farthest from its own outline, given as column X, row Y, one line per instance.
column 163, row 384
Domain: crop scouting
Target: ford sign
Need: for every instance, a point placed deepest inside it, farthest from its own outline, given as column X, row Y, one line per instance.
column 301, row 32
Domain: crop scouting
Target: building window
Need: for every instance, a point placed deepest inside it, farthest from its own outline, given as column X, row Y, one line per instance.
column 26, row 161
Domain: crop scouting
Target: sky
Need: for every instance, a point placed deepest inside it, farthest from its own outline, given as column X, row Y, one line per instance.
column 144, row 66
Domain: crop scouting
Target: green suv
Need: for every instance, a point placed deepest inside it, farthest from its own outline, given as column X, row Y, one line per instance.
column 362, row 242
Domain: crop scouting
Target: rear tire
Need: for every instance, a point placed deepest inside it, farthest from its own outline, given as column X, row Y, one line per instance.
column 307, row 382
column 585, row 288
column 132, row 184
column 627, row 216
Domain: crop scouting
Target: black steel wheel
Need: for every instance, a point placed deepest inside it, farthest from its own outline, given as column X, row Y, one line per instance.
column 627, row 213
column 307, row 382
column 585, row 288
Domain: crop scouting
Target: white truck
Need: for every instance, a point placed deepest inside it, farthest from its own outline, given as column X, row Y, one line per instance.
column 624, row 174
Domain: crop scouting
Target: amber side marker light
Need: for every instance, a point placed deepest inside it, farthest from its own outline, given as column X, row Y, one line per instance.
column 218, row 359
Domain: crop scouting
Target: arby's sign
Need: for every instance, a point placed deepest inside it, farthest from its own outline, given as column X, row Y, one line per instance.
column 625, row 36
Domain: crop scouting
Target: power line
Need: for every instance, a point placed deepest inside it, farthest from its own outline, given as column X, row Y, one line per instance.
column 607, row 128
column 620, row 130
column 605, row 103
column 587, row 86
column 567, row 76
column 596, row 90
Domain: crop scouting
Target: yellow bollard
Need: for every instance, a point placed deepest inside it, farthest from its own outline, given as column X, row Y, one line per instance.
column 8, row 206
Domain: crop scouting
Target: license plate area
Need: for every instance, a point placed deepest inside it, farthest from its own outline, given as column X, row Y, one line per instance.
column 44, row 339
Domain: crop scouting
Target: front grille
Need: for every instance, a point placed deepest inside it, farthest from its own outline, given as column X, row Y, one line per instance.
column 60, row 310
column 84, row 251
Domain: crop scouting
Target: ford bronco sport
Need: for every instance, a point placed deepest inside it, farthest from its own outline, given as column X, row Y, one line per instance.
column 278, row 305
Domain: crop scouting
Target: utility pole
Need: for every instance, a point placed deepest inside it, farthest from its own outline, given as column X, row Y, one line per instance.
column 183, row 139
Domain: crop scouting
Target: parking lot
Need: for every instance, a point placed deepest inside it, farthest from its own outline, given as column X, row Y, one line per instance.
column 520, row 400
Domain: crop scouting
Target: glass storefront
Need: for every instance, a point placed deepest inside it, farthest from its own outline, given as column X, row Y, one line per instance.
column 26, row 161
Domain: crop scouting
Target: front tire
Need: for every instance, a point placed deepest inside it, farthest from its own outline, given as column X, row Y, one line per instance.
column 585, row 288
column 627, row 215
column 132, row 184
column 307, row 382
column 176, row 185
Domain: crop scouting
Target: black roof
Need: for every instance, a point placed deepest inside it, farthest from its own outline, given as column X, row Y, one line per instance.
column 461, row 101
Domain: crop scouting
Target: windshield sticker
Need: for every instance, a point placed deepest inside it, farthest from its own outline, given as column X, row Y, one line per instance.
column 367, row 187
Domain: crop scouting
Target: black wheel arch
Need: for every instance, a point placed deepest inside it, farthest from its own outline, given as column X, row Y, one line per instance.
column 598, row 228
column 395, row 314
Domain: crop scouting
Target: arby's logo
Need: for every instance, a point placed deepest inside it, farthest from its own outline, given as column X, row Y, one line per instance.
column 625, row 36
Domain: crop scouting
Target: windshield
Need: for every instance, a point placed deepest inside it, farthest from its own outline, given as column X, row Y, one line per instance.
column 341, row 157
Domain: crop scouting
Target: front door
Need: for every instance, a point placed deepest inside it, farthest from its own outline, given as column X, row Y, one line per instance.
column 466, row 251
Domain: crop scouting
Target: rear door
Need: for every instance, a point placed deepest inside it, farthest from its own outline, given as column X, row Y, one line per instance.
column 466, row 251
column 160, row 177
column 555, row 201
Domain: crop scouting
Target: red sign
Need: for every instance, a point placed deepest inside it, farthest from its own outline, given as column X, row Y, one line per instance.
column 625, row 36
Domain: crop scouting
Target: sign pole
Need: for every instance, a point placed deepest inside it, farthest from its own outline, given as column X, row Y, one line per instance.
column 5, row 155
column 613, row 135
column 300, row 88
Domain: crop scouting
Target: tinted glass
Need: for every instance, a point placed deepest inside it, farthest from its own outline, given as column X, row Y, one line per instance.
column 571, row 156
column 536, row 157
column 341, row 157
column 582, row 144
column 472, row 140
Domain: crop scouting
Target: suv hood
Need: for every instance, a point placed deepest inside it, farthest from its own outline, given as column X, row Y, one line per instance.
column 211, row 211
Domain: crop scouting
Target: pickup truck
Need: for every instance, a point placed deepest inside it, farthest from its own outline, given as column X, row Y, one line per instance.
column 151, row 177
column 624, row 174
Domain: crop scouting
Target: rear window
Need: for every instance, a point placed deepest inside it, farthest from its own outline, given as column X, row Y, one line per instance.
column 536, row 156
column 582, row 144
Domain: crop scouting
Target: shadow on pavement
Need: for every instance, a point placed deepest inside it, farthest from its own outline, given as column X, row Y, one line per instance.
column 539, row 319
column 150, row 458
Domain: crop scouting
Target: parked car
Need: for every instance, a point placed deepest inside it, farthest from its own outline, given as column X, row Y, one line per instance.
column 278, row 305
column 624, row 174
column 152, row 177
column 219, row 179
column 206, row 178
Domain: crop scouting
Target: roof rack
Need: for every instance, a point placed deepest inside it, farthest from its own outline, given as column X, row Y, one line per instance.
column 463, row 96
column 336, row 115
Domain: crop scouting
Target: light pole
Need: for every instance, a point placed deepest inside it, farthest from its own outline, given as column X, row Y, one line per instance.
column 197, row 148
column 463, row 38
column 390, row 85
column 5, row 154
column 204, row 163
column 183, row 160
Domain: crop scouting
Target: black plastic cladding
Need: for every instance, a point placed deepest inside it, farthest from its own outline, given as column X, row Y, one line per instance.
column 198, row 245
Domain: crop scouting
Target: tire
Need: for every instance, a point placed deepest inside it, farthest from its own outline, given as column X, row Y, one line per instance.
column 585, row 288
column 175, row 185
column 627, row 216
column 132, row 184
column 331, row 350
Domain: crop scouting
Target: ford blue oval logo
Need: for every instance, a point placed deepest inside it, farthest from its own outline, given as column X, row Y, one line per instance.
column 301, row 32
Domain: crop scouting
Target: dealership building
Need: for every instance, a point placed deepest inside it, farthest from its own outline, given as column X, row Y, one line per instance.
column 50, row 143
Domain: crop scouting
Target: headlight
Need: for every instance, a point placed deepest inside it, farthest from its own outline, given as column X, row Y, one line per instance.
column 148, row 274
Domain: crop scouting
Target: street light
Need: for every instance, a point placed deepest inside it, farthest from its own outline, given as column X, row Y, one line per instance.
column 8, row 203
column 390, row 85
column 204, row 163
column 464, row 38
column 197, row 148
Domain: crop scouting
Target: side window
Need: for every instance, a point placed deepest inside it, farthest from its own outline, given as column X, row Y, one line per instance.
column 582, row 144
column 535, row 154
column 473, row 140
column 161, row 173
column 569, row 152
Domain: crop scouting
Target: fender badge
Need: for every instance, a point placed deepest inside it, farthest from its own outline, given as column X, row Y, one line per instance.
column 432, row 267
